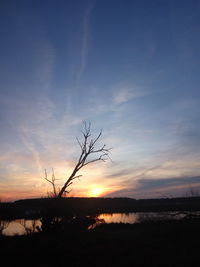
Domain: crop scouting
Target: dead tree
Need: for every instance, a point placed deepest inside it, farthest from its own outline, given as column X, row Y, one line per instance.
column 52, row 182
column 90, row 152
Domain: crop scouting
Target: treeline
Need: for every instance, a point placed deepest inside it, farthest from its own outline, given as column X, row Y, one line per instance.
column 34, row 208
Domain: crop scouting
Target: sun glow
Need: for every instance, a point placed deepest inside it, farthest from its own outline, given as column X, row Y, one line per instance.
column 96, row 192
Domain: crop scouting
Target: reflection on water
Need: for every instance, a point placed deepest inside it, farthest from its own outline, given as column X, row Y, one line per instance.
column 22, row 226
column 119, row 217
column 139, row 217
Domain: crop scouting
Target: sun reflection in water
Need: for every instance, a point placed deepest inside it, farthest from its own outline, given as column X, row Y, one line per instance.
column 119, row 217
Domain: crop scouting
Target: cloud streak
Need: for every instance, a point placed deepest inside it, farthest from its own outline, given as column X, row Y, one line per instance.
column 126, row 92
column 86, row 24
column 165, row 187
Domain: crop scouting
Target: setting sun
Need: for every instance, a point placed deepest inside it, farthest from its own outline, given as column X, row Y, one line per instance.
column 95, row 192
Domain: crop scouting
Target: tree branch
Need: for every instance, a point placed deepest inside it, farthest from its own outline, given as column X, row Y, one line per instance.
column 87, row 146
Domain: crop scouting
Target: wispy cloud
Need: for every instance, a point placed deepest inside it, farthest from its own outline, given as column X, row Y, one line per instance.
column 86, row 24
column 31, row 147
column 123, row 95
column 173, row 173
column 156, row 184
column 156, row 188
column 125, row 92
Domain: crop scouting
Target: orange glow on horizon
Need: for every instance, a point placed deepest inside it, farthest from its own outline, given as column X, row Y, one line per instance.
column 96, row 191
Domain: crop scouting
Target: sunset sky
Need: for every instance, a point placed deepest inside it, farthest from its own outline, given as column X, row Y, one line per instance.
column 131, row 67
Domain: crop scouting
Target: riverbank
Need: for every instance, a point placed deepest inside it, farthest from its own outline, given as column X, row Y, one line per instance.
column 163, row 243
column 36, row 208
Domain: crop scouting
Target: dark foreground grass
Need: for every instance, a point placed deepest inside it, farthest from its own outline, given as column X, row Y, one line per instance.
column 166, row 243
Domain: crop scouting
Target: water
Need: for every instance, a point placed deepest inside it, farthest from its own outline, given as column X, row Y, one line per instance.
column 22, row 226
column 119, row 217
column 138, row 217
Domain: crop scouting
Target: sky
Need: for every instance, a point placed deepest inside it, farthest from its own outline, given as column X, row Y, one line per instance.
column 130, row 67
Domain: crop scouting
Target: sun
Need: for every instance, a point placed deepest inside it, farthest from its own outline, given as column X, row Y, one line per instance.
column 95, row 192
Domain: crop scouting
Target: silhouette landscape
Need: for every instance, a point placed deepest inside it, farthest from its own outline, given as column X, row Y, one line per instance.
column 64, row 229
column 100, row 133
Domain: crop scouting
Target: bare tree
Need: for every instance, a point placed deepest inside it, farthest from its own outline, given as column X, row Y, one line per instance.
column 52, row 182
column 90, row 152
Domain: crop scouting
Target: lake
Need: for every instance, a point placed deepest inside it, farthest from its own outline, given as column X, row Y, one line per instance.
column 23, row 226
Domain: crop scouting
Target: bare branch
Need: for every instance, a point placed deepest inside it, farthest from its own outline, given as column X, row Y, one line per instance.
column 78, row 176
column 81, row 145
column 52, row 182
column 88, row 148
column 95, row 140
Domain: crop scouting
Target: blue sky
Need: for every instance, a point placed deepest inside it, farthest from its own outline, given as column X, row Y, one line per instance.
column 129, row 67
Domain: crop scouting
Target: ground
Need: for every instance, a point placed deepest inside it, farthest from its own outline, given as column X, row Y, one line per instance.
column 166, row 243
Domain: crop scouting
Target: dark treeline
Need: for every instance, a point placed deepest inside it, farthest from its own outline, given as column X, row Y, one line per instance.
column 30, row 208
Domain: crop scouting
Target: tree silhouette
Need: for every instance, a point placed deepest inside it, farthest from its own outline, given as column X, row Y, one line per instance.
column 91, row 151
column 52, row 182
